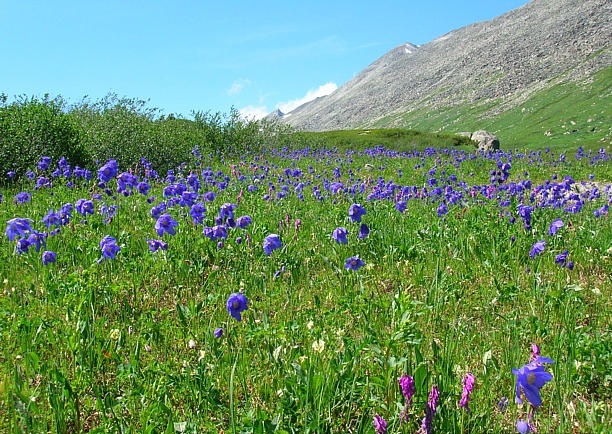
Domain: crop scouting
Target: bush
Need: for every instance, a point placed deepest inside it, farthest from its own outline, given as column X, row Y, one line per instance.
column 31, row 128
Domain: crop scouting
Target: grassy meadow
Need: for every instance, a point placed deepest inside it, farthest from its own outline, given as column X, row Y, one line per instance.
column 347, row 288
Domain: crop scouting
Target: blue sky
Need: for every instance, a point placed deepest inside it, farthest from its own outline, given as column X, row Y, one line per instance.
column 185, row 56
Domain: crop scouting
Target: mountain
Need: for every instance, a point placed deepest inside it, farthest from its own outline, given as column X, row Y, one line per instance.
column 476, row 73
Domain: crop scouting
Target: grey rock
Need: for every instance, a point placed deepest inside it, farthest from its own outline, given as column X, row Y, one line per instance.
column 485, row 140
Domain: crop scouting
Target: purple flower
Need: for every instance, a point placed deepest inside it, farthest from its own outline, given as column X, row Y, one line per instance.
column 380, row 425
column 84, row 206
column 339, row 235
column 108, row 171
column 353, row 263
column 109, row 247
column 219, row 232
column 23, row 246
column 143, row 188
column 537, row 248
column 530, row 379
column 23, row 197
column 502, row 405
column 555, row 226
column 535, row 352
column 227, row 210
column 601, row 211
column 52, row 219
column 406, row 383
column 364, row 231
column 522, row 426
column 48, row 257
column 44, row 163
column 17, row 227
column 401, row 205
column 236, row 304
column 165, row 224
column 218, row 332
column 155, row 245
column 430, row 410
column 524, row 211
column 243, row 221
column 468, row 386
column 442, row 209
column 209, row 196
column 355, row 212
column 561, row 259
column 270, row 243
column 197, row 212
column 37, row 239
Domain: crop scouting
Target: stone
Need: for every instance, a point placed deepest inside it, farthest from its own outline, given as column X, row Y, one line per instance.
column 485, row 140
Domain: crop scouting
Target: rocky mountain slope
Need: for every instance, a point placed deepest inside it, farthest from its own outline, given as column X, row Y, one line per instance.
column 493, row 65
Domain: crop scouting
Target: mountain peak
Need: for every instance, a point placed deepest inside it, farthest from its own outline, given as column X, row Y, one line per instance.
column 497, row 63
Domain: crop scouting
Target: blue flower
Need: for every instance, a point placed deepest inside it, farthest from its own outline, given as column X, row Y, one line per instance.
column 48, row 257
column 401, row 205
column 353, row 263
column 109, row 247
column 52, row 219
column 530, row 379
column 364, row 231
column 23, row 197
column 442, row 209
column 84, row 206
column 355, row 212
column 522, row 426
column 236, row 304
column 227, row 210
column 243, row 221
column 108, row 171
column 44, row 163
column 197, row 212
column 555, row 226
column 37, row 239
column 339, row 235
column 219, row 232
column 17, row 227
column 537, row 248
column 155, row 245
column 561, row 259
column 165, row 223
column 270, row 243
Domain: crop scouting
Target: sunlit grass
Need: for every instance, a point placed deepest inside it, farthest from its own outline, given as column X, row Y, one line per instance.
column 128, row 344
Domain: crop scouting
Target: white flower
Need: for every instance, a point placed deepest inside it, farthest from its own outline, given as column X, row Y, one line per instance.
column 318, row 346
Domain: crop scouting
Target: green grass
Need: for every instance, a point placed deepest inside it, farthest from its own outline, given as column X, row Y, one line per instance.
column 560, row 116
column 127, row 345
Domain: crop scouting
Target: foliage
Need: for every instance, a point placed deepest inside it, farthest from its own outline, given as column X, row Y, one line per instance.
column 31, row 128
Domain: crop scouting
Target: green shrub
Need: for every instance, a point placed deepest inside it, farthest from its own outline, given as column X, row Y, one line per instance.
column 31, row 128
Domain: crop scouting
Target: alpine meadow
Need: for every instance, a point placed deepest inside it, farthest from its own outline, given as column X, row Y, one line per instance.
column 359, row 265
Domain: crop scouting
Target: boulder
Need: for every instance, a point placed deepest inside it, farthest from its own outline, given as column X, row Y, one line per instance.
column 485, row 140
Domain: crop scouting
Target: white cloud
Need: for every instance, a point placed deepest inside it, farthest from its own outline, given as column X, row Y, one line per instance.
column 261, row 111
column 324, row 89
column 254, row 112
column 237, row 86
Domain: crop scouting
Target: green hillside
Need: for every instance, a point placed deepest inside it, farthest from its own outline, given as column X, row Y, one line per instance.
column 563, row 116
